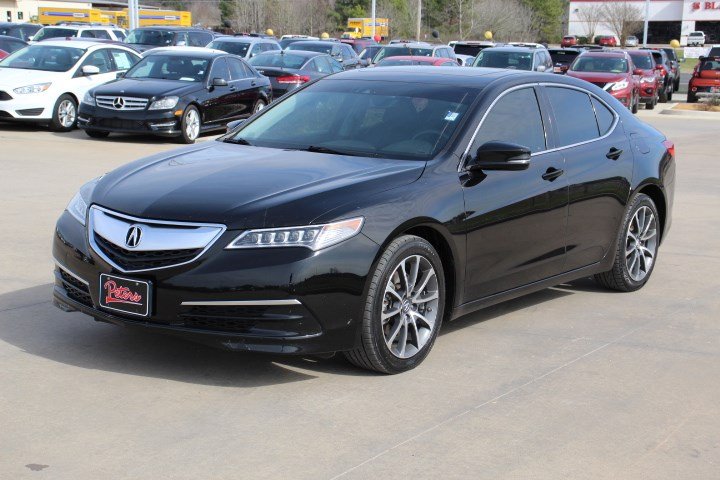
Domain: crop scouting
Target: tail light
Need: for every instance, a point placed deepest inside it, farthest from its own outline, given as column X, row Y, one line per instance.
column 296, row 79
column 670, row 146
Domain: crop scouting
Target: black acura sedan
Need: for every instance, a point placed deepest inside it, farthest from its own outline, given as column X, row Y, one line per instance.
column 176, row 94
column 289, row 70
column 359, row 213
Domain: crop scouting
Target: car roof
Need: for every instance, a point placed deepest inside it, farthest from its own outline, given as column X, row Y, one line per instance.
column 416, row 58
column 174, row 28
column 300, row 53
column 84, row 44
column 412, row 45
column 201, row 52
column 571, row 50
column 512, row 49
column 605, row 53
column 245, row 39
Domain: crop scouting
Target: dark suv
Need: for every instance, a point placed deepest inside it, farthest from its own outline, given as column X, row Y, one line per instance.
column 664, row 66
column 674, row 66
column 515, row 58
column 145, row 38
column 23, row 31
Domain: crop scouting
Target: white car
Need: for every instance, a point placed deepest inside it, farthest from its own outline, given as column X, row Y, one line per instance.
column 696, row 39
column 59, row 32
column 631, row 41
column 44, row 82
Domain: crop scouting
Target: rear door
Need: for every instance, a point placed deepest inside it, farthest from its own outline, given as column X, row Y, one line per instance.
column 245, row 87
column 598, row 162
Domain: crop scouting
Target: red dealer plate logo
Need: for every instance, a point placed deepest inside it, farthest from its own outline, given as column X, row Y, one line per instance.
column 125, row 295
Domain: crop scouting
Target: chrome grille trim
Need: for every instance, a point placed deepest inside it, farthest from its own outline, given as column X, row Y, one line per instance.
column 129, row 103
column 163, row 235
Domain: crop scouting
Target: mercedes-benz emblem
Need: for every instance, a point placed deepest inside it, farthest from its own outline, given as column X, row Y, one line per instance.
column 119, row 103
column 134, row 234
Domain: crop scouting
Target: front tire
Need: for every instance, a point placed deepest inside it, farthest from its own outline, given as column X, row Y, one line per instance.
column 259, row 105
column 64, row 115
column 636, row 104
column 190, row 125
column 637, row 247
column 404, row 308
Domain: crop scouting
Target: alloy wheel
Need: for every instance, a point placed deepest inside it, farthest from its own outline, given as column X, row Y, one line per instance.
column 192, row 124
column 259, row 106
column 66, row 113
column 410, row 306
column 641, row 244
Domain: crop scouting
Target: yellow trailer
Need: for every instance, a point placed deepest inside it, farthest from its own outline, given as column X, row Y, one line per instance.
column 116, row 17
column 362, row 27
column 175, row 18
column 55, row 15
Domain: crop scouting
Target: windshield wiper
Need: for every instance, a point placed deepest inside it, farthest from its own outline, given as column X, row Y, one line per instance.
column 331, row 151
column 238, row 141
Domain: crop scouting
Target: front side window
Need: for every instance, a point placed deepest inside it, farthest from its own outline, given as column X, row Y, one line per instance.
column 99, row 59
column 170, row 67
column 44, row 57
column 55, row 32
column 515, row 118
column 385, row 119
column 219, row 70
column 123, row 60
column 575, row 114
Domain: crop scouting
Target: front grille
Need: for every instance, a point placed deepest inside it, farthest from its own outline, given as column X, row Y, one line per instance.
column 141, row 260
column 599, row 84
column 121, row 103
column 120, row 124
column 5, row 96
column 30, row 112
column 75, row 289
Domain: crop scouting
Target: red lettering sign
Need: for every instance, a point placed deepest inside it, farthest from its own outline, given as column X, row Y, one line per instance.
column 115, row 294
column 696, row 5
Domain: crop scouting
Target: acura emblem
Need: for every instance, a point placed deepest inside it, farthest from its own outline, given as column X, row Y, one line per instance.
column 119, row 103
column 134, row 234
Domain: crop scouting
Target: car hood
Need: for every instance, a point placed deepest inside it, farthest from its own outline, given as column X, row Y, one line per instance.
column 599, row 76
column 19, row 77
column 247, row 187
column 146, row 88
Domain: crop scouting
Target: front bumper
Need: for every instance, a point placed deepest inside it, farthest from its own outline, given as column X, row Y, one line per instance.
column 32, row 107
column 284, row 300
column 624, row 96
column 647, row 92
column 162, row 122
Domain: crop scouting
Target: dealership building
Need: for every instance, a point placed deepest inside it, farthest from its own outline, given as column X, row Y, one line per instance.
column 669, row 19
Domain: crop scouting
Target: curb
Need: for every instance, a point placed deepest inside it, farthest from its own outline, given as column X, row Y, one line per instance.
column 692, row 113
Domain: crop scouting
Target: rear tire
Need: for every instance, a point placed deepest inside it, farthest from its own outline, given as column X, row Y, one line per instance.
column 676, row 85
column 663, row 97
column 64, row 114
column 97, row 133
column 692, row 98
column 404, row 308
column 637, row 247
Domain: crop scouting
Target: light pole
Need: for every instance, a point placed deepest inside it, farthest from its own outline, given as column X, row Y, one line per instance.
column 647, row 20
column 419, row 20
column 373, row 19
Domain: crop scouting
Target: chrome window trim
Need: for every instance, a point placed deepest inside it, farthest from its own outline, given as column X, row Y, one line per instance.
column 246, row 303
column 463, row 158
column 69, row 272
column 91, row 237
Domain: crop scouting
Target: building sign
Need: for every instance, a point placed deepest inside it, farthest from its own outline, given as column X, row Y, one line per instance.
column 706, row 6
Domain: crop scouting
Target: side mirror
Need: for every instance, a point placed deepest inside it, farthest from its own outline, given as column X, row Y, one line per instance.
column 234, row 124
column 540, row 68
column 500, row 156
column 120, row 74
column 30, row 38
column 88, row 70
column 219, row 82
column 638, row 72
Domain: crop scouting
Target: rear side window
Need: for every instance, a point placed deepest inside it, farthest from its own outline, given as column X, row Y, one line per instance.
column 575, row 115
column 503, row 124
column 604, row 116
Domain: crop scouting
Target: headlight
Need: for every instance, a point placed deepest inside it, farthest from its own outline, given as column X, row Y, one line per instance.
column 620, row 85
column 78, row 206
column 314, row 237
column 37, row 88
column 647, row 79
column 165, row 103
column 89, row 99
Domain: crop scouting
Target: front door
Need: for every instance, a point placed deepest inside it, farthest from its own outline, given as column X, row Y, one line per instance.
column 218, row 102
column 515, row 220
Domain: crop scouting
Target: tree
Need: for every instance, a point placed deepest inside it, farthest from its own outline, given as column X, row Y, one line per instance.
column 622, row 18
column 591, row 16
column 549, row 15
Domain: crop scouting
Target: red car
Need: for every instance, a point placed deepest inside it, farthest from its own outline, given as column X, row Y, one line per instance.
column 568, row 41
column 614, row 72
column 3, row 54
column 650, row 79
column 607, row 41
column 406, row 60
column 705, row 79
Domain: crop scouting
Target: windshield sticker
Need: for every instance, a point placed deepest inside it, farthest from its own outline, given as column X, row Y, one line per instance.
column 451, row 116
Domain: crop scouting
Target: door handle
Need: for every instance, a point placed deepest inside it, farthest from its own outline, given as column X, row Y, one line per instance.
column 614, row 153
column 252, row 84
column 552, row 173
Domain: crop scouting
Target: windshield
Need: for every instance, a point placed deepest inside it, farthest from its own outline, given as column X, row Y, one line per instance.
column 511, row 60
column 402, row 52
column 312, row 47
column 54, row 32
column 372, row 119
column 11, row 46
column 389, row 62
column 151, row 37
column 44, row 57
column 642, row 61
column 600, row 65
column 710, row 65
column 278, row 60
column 565, row 58
column 236, row 48
column 170, row 67
column 369, row 52
column 471, row 50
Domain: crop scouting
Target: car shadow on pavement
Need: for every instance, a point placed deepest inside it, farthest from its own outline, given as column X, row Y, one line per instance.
column 30, row 322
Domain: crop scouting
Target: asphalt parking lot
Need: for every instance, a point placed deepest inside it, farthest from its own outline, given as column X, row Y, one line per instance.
column 571, row 382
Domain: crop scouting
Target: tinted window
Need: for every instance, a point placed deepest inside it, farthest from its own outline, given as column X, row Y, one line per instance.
column 199, row 39
column 54, row 32
column 504, row 124
column 604, row 116
column 600, row 64
column 236, row 48
column 575, row 116
column 402, row 51
column 334, row 64
column 171, row 67
column 123, row 60
column 642, row 60
column 151, row 37
column 10, row 45
column 99, row 59
column 237, row 69
column 312, row 47
column 219, row 70
column 102, row 34
column 563, row 57
column 120, row 34
column 287, row 60
column 504, row 59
